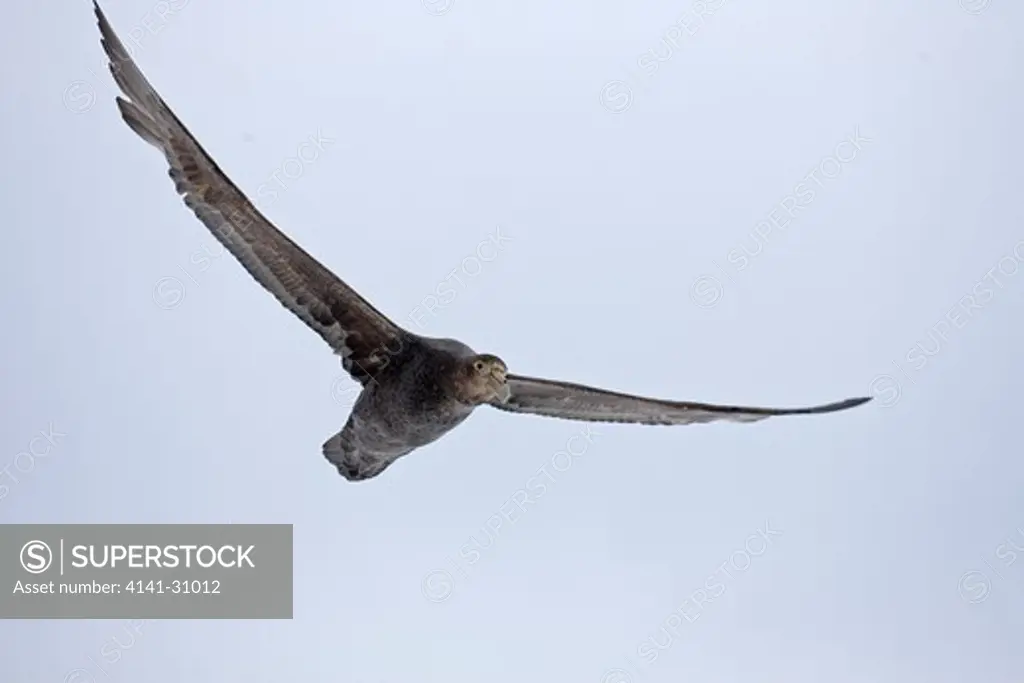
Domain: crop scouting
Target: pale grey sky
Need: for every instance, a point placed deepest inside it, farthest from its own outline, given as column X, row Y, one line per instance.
column 786, row 203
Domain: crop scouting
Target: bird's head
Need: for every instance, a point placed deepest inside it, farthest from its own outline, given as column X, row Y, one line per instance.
column 482, row 378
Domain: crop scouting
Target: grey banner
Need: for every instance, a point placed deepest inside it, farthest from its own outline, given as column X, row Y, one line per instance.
column 154, row 571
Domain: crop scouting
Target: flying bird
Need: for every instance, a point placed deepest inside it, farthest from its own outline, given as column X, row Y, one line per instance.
column 415, row 389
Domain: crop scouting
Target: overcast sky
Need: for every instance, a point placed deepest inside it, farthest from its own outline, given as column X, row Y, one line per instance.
column 745, row 202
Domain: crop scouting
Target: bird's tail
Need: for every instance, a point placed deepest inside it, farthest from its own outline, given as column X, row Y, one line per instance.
column 351, row 461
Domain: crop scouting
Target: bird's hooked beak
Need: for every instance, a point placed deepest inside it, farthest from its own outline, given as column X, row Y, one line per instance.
column 499, row 376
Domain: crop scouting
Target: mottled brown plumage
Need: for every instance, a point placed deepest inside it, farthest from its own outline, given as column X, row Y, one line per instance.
column 415, row 389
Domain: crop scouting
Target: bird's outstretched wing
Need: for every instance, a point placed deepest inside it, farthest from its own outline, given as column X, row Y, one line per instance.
column 357, row 332
column 577, row 402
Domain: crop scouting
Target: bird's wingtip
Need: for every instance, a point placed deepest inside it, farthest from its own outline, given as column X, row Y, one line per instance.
column 853, row 402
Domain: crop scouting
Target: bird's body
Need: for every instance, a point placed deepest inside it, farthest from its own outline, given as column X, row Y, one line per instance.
column 408, row 404
column 415, row 389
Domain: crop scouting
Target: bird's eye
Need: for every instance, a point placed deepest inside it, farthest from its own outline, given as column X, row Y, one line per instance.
column 479, row 365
